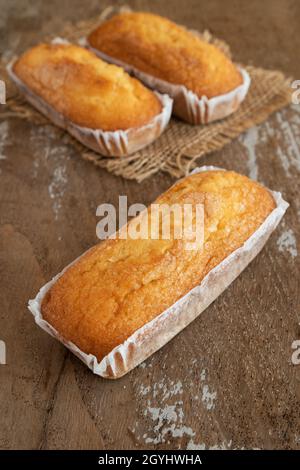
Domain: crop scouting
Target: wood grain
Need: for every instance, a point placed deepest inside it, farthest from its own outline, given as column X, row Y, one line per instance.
column 227, row 381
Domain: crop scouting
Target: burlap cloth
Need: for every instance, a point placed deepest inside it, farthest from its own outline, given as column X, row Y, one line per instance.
column 181, row 145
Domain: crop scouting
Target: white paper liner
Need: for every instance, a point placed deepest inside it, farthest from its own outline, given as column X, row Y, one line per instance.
column 156, row 333
column 187, row 105
column 117, row 143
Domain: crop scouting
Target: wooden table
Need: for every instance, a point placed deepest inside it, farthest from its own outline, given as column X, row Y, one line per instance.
column 227, row 381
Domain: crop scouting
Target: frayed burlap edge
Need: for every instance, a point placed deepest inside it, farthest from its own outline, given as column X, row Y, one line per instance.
column 179, row 148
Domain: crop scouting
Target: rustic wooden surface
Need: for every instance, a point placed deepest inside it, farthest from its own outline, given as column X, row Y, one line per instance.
column 227, row 381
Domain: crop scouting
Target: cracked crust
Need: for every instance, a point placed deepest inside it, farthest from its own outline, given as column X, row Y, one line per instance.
column 85, row 89
column 120, row 285
column 161, row 48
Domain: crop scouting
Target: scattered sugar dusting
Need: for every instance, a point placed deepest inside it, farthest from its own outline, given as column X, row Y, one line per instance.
column 250, row 140
column 168, row 419
column 56, row 188
column 54, row 157
column 291, row 135
column 284, row 130
column 225, row 445
column 144, row 390
column 203, row 375
column 287, row 243
column 208, row 398
column 297, row 439
column 222, row 446
column 192, row 446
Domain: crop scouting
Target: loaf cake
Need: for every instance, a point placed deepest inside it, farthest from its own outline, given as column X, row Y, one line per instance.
column 89, row 93
column 161, row 49
column 120, row 285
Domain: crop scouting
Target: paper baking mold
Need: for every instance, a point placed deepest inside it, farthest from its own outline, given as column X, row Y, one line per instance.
column 187, row 105
column 156, row 333
column 116, row 143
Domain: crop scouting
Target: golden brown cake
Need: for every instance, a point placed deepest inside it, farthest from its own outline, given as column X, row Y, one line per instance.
column 163, row 49
column 85, row 89
column 120, row 285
